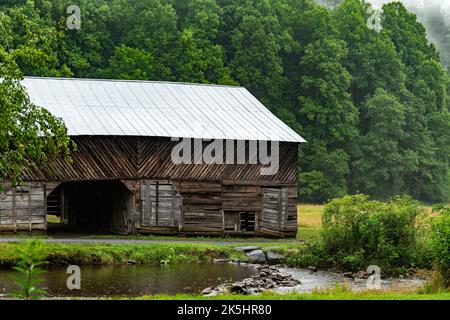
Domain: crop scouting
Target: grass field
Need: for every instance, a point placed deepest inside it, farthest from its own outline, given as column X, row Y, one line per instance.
column 332, row 294
column 309, row 221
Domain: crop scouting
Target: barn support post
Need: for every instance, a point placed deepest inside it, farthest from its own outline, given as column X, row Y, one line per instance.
column 14, row 210
column 180, row 218
column 29, row 211
column 280, row 209
column 172, row 204
column 45, row 207
column 157, row 203
column 223, row 221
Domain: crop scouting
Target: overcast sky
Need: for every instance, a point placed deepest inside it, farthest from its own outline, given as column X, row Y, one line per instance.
column 418, row 3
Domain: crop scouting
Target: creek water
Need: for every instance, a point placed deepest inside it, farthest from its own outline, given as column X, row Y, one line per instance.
column 322, row 280
column 133, row 280
column 138, row 280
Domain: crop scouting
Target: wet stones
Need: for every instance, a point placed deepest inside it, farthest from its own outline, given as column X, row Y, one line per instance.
column 221, row 260
column 312, row 269
column 348, row 275
column 256, row 256
column 274, row 257
column 247, row 248
column 361, row 275
column 266, row 277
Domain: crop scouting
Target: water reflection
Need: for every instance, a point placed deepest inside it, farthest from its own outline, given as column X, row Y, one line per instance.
column 135, row 280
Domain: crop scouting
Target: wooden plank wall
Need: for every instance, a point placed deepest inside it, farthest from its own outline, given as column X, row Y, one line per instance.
column 279, row 210
column 107, row 158
column 161, row 204
column 24, row 208
column 208, row 191
column 217, row 207
column 202, row 206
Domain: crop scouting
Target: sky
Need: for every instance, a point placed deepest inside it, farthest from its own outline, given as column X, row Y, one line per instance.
column 417, row 3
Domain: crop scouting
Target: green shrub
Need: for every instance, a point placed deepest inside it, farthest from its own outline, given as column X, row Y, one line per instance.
column 358, row 232
column 440, row 244
column 311, row 255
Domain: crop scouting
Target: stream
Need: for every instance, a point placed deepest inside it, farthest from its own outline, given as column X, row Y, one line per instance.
column 322, row 280
column 139, row 280
column 133, row 280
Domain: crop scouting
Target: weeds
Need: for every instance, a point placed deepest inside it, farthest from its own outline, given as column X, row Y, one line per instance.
column 30, row 256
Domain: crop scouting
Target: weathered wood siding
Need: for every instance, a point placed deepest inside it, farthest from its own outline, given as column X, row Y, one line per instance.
column 24, row 208
column 279, row 210
column 150, row 158
column 164, row 197
column 221, row 208
column 202, row 206
column 161, row 204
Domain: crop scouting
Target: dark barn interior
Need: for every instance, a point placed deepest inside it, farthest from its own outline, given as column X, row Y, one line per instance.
column 90, row 206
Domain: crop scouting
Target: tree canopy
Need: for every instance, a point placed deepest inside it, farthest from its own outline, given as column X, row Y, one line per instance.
column 373, row 104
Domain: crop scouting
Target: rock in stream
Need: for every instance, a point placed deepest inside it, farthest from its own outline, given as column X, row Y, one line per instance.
column 266, row 277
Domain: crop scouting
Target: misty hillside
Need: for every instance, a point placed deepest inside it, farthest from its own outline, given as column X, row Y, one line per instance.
column 434, row 14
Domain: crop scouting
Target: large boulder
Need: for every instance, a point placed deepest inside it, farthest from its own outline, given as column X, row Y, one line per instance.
column 247, row 248
column 239, row 289
column 274, row 257
column 256, row 256
column 312, row 269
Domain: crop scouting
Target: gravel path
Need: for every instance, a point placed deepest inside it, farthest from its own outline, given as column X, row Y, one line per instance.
column 132, row 241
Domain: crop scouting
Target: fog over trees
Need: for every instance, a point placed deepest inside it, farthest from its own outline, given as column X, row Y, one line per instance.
column 434, row 14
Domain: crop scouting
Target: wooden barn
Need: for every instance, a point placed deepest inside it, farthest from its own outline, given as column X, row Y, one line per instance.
column 123, row 178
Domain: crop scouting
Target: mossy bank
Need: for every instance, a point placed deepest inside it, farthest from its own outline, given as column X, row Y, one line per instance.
column 109, row 254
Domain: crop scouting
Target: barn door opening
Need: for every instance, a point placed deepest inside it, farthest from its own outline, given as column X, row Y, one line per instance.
column 91, row 207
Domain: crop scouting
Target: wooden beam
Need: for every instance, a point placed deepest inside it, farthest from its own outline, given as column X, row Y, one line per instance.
column 29, row 211
column 157, row 202
column 45, row 205
column 14, row 210
column 280, row 208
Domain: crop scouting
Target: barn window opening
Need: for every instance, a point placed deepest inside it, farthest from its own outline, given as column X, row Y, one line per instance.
column 239, row 221
column 248, row 221
column 93, row 207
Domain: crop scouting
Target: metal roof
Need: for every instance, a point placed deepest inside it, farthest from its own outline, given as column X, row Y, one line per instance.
column 157, row 109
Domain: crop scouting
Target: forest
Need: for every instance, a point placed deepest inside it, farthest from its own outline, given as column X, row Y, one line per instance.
column 373, row 103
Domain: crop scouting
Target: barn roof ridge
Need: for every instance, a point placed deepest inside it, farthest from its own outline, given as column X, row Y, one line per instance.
column 138, row 81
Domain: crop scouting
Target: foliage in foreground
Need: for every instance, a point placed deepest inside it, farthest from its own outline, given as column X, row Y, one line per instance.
column 358, row 232
column 29, row 135
column 440, row 244
column 30, row 257
column 104, row 254
column 337, row 293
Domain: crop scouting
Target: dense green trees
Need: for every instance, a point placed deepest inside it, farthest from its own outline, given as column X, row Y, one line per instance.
column 28, row 134
column 374, row 105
